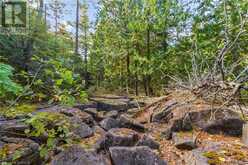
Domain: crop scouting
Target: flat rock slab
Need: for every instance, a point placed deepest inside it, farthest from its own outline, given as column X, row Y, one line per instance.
column 119, row 137
column 149, row 142
column 82, row 130
column 27, row 151
column 111, row 104
column 218, row 153
column 223, row 121
column 165, row 113
column 184, row 141
column 13, row 128
column 76, row 155
column 127, row 122
column 109, row 123
column 140, row 155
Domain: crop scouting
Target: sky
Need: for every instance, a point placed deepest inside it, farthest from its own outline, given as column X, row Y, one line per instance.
column 69, row 11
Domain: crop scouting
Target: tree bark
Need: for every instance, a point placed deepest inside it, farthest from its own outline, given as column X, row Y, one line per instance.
column 148, row 77
column 77, row 29
column 245, row 134
column 128, row 72
column 86, row 76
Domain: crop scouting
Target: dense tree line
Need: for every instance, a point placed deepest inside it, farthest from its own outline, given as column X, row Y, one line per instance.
column 140, row 45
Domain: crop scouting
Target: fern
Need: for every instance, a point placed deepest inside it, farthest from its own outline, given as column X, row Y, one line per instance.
column 6, row 84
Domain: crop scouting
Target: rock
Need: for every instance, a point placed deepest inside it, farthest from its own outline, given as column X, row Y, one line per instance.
column 140, row 155
column 82, row 130
column 132, row 112
column 224, row 121
column 127, row 122
column 90, row 104
column 92, row 111
column 119, row 137
column 20, row 151
column 218, row 153
column 109, row 123
column 229, row 126
column 13, row 128
column 73, row 113
column 196, row 156
column 104, row 104
column 184, row 141
column 103, row 114
column 93, row 143
column 135, row 104
column 148, row 141
column 75, row 155
column 77, row 113
column 183, row 124
column 165, row 114
column 112, row 114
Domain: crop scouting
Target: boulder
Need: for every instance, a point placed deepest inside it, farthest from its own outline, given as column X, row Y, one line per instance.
column 135, row 104
column 104, row 104
column 109, row 123
column 13, row 128
column 133, row 111
column 165, row 114
column 184, row 141
column 177, row 125
column 77, row 113
column 112, row 114
column 228, row 126
column 119, row 137
column 20, row 151
column 90, row 104
column 223, row 121
column 140, row 155
column 148, row 141
column 105, row 114
column 196, row 156
column 76, row 155
column 127, row 122
column 93, row 143
column 218, row 153
column 92, row 111
column 82, row 130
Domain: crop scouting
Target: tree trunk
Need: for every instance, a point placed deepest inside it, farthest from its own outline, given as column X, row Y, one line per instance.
column 86, row 76
column 145, row 85
column 128, row 73
column 148, row 77
column 245, row 134
column 136, row 82
column 77, row 29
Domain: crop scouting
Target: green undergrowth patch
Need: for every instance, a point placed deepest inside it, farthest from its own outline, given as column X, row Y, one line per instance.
column 17, row 111
column 55, row 126
column 220, row 156
column 214, row 157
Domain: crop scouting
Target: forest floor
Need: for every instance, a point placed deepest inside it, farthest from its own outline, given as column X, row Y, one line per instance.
column 179, row 128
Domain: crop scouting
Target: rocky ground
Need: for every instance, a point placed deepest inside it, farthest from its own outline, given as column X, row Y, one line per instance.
column 177, row 129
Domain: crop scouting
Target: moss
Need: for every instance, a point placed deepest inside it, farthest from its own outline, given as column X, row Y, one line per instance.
column 236, row 153
column 186, row 134
column 214, row 157
column 4, row 152
column 18, row 111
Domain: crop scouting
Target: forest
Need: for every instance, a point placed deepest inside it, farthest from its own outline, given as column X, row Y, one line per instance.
column 124, row 82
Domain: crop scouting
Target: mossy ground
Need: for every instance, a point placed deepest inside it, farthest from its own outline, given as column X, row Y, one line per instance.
column 17, row 111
